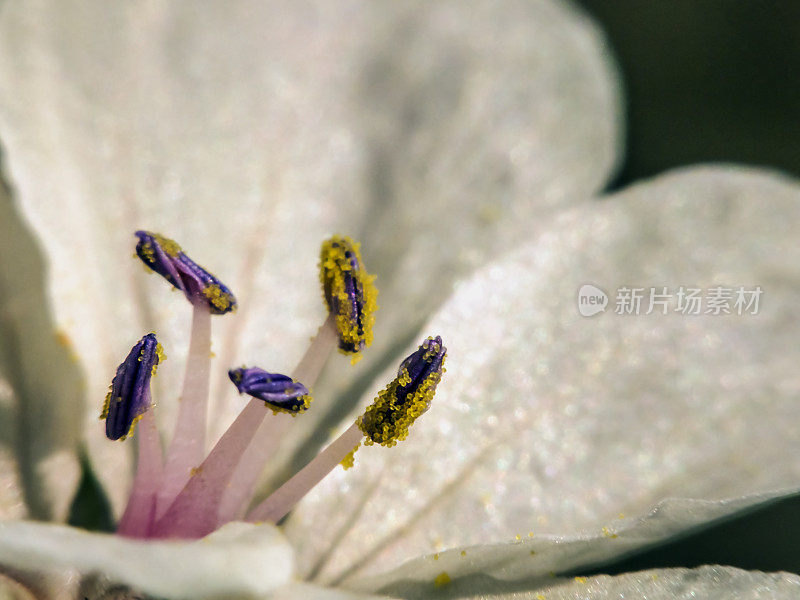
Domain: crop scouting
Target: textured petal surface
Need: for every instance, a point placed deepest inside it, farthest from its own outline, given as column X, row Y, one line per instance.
column 238, row 560
column 249, row 131
column 41, row 387
column 537, row 564
column 548, row 421
column 709, row 583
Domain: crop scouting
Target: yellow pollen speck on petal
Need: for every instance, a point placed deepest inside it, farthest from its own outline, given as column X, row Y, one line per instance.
column 436, row 556
column 349, row 460
column 608, row 533
column 530, row 534
column 540, row 597
column 533, row 552
column 441, row 580
column 580, row 579
column 195, row 471
column 518, row 537
column 463, row 553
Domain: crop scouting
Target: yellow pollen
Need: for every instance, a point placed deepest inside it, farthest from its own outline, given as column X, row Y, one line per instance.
column 161, row 357
column 608, row 533
column 107, row 404
column 148, row 254
column 217, row 297
column 349, row 460
column 463, row 553
column 132, row 427
column 441, row 580
column 170, row 247
column 388, row 420
column 334, row 264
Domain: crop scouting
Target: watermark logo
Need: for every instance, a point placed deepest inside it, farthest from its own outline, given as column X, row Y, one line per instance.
column 685, row 300
column 591, row 300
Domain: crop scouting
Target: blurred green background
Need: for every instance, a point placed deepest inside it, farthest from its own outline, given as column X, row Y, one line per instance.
column 706, row 80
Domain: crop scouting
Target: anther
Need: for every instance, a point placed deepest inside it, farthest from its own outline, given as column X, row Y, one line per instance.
column 349, row 293
column 279, row 392
column 396, row 408
column 129, row 396
column 165, row 257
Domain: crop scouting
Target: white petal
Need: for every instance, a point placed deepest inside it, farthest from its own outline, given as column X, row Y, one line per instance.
column 708, row 582
column 548, row 421
column 41, row 392
column 537, row 564
column 237, row 560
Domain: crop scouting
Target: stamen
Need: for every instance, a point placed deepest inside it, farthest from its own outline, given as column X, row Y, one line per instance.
column 165, row 257
column 129, row 396
column 349, row 292
column 194, row 511
column 128, row 402
column 385, row 422
column 268, row 437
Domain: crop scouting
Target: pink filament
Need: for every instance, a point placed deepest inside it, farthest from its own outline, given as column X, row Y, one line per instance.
column 188, row 442
column 282, row 500
column 218, row 487
column 139, row 513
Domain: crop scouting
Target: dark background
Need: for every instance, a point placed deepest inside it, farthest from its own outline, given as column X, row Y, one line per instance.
column 706, row 81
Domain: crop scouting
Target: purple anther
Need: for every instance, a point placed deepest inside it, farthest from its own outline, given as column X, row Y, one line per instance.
column 129, row 397
column 279, row 392
column 165, row 257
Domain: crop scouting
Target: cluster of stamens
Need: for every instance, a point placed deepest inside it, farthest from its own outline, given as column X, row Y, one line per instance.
column 184, row 495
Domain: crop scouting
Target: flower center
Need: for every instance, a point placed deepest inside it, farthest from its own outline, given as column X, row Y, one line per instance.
column 186, row 495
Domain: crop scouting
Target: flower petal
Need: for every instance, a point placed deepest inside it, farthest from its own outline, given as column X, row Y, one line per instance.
column 42, row 385
column 541, row 563
column 236, row 560
column 548, row 421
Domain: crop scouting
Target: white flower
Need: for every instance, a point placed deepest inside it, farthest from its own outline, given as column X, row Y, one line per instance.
column 448, row 137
